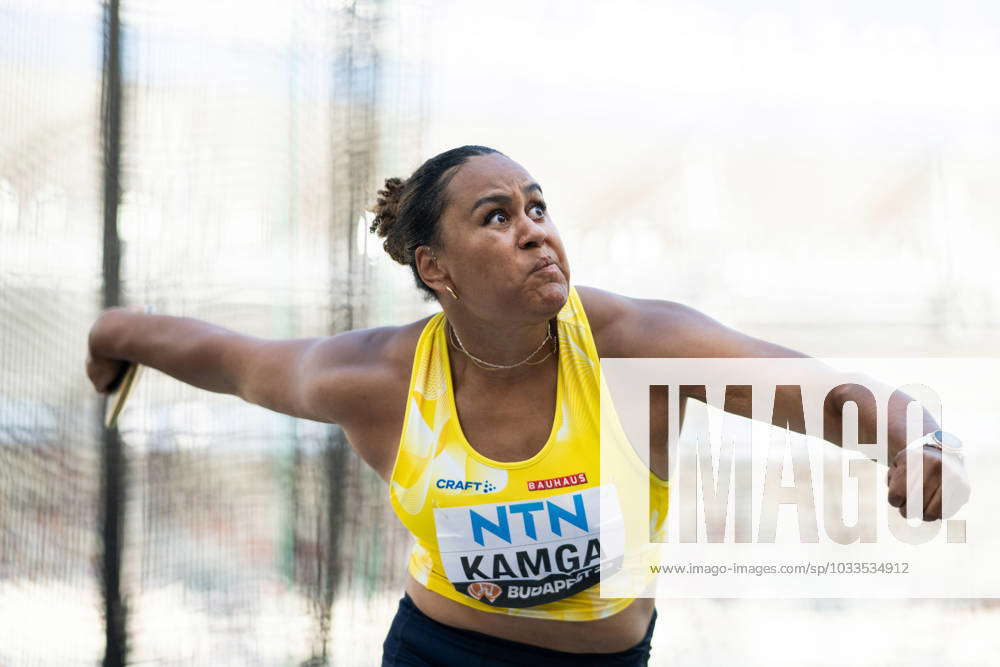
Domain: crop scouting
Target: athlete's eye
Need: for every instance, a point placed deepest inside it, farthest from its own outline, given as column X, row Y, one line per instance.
column 537, row 210
column 496, row 215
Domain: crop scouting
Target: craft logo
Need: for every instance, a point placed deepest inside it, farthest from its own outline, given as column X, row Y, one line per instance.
column 558, row 482
column 461, row 485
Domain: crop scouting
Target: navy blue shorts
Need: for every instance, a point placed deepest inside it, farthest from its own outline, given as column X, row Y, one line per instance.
column 417, row 639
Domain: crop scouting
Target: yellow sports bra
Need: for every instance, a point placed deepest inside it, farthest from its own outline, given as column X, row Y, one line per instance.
column 523, row 537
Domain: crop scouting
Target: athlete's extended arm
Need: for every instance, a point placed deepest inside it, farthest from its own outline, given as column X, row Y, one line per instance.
column 654, row 328
column 327, row 379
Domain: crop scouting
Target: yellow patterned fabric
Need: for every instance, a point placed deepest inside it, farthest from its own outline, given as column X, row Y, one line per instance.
column 526, row 538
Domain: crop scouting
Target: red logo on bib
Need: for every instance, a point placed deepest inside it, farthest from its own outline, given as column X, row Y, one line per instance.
column 558, row 482
column 481, row 589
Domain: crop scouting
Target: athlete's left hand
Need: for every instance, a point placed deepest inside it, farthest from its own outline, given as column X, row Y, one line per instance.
column 946, row 484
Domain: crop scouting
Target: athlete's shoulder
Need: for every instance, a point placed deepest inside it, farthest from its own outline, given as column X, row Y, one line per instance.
column 602, row 307
column 625, row 326
column 361, row 368
column 392, row 346
column 364, row 387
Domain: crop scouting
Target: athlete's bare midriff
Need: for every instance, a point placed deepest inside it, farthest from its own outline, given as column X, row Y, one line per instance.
column 607, row 635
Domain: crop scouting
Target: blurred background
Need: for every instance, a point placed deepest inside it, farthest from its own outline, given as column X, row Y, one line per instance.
column 817, row 174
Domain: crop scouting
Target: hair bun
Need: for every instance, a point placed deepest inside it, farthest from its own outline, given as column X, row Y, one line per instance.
column 408, row 211
column 386, row 212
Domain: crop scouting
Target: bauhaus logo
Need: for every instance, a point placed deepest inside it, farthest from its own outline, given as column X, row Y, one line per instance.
column 533, row 552
column 558, row 482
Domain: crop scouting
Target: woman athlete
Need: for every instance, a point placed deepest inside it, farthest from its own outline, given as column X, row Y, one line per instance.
column 495, row 401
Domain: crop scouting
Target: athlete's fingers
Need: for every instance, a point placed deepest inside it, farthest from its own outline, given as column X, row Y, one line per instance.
column 931, row 464
column 897, row 483
column 932, row 508
column 105, row 374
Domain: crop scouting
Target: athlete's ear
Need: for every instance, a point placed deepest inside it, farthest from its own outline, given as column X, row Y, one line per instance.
column 431, row 267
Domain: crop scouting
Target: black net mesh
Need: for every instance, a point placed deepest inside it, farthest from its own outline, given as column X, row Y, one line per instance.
column 50, row 272
column 252, row 137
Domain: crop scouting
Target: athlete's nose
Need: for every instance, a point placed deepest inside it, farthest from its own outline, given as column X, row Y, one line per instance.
column 532, row 233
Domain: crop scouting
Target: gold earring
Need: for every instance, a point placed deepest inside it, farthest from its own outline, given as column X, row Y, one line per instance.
column 451, row 291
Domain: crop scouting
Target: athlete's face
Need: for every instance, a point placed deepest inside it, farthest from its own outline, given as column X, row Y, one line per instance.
column 500, row 248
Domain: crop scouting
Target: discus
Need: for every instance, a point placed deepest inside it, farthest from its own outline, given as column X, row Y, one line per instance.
column 122, row 386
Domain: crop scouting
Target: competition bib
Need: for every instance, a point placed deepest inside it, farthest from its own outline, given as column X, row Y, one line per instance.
column 527, row 553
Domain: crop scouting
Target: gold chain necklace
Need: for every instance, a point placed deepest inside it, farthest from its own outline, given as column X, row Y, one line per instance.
column 486, row 365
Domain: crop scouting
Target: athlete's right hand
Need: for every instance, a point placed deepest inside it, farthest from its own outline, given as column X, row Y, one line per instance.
column 102, row 370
